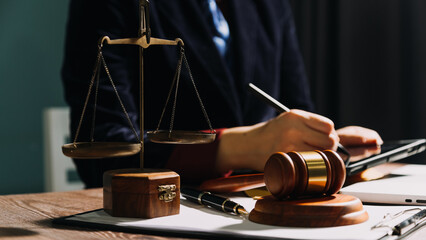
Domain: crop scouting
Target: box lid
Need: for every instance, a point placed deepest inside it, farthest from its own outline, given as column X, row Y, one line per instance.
column 142, row 181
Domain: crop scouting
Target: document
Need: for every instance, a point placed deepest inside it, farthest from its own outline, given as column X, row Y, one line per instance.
column 200, row 221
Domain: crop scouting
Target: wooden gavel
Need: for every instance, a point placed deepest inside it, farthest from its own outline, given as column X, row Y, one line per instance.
column 296, row 174
column 292, row 174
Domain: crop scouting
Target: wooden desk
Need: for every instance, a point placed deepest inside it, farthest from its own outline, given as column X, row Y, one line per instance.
column 28, row 216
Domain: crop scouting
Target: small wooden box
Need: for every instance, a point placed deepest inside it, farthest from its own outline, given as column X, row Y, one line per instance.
column 141, row 193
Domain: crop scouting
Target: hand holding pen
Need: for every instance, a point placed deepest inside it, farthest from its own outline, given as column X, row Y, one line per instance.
column 248, row 147
column 279, row 107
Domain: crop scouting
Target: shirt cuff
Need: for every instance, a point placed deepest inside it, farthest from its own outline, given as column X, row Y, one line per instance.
column 196, row 162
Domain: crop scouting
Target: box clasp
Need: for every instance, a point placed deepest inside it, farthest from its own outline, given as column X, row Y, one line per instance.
column 167, row 192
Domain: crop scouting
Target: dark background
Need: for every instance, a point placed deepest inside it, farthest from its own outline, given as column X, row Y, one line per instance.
column 366, row 62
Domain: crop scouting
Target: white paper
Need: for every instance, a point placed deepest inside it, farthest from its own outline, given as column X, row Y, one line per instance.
column 200, row 219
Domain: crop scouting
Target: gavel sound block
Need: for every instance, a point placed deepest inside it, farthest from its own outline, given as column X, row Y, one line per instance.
column 304, row 187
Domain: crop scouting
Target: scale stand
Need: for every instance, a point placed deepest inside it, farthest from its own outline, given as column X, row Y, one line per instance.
column 139, row 192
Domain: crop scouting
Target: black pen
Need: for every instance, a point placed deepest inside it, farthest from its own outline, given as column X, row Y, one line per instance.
column 214, row 201
column 279, row 107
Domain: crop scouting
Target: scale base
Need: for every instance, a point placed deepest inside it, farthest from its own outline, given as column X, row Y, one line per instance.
column 141, row 193
column 327, row 211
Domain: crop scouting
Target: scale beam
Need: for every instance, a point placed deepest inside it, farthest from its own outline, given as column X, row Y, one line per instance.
column 141, row 41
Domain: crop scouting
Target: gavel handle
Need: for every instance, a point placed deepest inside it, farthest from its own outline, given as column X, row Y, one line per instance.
column 235, row 183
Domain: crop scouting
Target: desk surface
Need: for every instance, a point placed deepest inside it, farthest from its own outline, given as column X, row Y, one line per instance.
column 28, row 216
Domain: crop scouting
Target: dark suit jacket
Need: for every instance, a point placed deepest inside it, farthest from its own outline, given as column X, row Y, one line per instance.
column 263, row 51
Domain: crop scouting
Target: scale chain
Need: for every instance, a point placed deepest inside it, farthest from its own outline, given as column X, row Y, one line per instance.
column 172, row 119
column 92, row 134
column 92, row 80
column 176, row 82
column 176, row 76
column 119, row 99
column 196, row 92
column 96, row 73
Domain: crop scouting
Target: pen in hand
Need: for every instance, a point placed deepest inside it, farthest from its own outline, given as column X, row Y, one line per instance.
column 214, row 201
column 279, row 107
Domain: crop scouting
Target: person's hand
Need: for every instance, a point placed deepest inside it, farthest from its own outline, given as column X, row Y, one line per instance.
column 358, row 136
column 360, row 142
column 251, row 146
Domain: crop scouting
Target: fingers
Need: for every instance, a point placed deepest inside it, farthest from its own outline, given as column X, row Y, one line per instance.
column 321, row 141
column 312, row 131
column 355, row 136
column 315, row 121
column 358, row 153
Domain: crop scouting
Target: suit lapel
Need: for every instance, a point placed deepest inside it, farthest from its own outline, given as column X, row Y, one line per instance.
column 244, row 28
column 188, row 20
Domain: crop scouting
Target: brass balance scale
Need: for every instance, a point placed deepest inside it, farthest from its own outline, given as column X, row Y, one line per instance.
column 140, row 192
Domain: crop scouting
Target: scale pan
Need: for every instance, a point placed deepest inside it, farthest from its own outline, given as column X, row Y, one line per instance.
column 100, row 149
column 181, row 137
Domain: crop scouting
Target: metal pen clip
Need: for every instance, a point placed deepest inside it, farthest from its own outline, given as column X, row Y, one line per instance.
column 145, row 28
column 404, row 226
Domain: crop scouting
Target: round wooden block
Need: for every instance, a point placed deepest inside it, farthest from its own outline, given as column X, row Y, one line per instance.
column 327, row 211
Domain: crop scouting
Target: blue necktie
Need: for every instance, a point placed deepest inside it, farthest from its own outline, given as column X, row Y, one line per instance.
column 221, row 36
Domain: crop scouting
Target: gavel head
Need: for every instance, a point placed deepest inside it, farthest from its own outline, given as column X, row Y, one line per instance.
column 297, row 174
